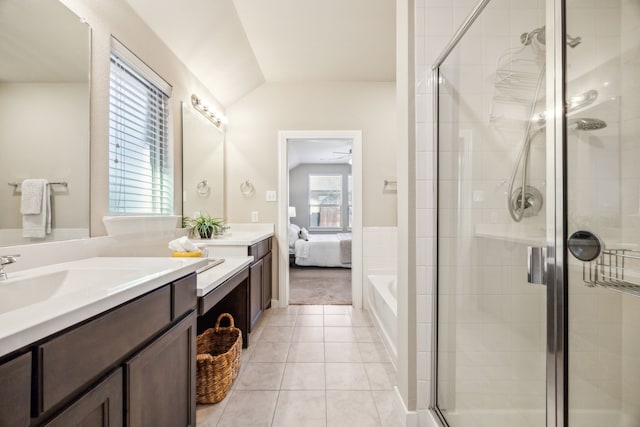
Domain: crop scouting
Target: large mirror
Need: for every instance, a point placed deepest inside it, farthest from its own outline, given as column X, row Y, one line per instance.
column 202, row 164
column 44, row 116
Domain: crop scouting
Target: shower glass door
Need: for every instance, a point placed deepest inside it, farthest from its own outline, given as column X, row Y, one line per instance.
column 603, row 188
column 492, row 204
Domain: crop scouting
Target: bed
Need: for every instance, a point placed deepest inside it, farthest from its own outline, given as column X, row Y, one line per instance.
column 320, row 250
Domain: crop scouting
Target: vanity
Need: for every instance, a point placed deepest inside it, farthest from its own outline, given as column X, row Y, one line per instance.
column 113, row 338
column 253, row 240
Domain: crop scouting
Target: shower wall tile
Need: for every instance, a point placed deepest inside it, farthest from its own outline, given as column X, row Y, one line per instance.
column 438, row 21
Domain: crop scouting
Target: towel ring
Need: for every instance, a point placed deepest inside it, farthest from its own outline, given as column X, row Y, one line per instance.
column 247, row 189
column 203, row 187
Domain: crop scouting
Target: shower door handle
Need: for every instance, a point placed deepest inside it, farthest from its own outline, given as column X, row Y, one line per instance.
column 537, row 265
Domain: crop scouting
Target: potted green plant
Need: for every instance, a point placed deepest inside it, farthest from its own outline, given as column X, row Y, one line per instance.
column 204, row 225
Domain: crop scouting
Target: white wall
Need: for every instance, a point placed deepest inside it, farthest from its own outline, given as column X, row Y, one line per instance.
column 252, row 142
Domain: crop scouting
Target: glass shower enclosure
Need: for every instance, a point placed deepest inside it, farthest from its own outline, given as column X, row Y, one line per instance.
column 538, row 270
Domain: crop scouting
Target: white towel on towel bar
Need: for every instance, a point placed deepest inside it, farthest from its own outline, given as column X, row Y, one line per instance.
column 32, row 193
column 38, row 225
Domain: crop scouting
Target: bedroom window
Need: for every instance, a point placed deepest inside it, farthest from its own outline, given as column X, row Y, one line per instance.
column 140, row 163
column 325, row 201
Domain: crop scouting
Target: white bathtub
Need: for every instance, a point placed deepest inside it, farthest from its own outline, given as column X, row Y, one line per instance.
column 383, row 302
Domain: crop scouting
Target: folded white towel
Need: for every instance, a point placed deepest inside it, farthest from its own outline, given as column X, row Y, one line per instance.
column 188, row 244
column 32, row 193
column 175, row 246
column 183, row 244
column 39, row 225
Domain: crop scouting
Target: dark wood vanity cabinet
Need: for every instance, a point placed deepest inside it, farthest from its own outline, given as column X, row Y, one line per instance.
column 260, row 279
column 256, row 273
column 161, row 380
column 15, row 391
column 134, row 365
column 99, row 407
column 266, row 281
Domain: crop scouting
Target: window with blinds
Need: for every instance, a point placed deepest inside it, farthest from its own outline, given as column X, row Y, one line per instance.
column 140, row 161
column 325, row 201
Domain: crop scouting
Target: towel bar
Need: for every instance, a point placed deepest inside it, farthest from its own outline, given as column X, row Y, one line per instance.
column 17, row 184
column 63, row 183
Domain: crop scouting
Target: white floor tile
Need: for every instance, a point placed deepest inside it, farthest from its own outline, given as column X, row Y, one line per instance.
column 346, row 376
column 374, row 352
column 337, row 320
column 249, row 408
column 306, row 352
column 260, row 376
column 310, row 309
column 342, row 352
column 308, row 334
column 328, row 369
column 337, row 309
column 351, row 408
column 270, row 352
column 381, row 375
column 339, row 334
column 277, row 334
column 309, row 320
column 304, row 376
column 301, row 409
column 388, row 411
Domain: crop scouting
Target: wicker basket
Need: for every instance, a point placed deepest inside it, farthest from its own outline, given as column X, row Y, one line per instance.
column 218, row 360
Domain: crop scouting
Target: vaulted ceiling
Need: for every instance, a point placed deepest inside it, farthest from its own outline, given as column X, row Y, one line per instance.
column 234, row 46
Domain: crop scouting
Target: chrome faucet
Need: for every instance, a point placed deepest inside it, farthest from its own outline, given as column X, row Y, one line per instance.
column 4, row 260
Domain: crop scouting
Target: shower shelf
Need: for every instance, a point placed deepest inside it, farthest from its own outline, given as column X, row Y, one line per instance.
column 615, row 269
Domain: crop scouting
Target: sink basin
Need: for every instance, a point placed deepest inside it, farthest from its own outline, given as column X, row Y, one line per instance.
column 21, row 291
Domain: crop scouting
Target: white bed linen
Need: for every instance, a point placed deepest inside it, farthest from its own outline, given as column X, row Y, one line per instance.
column 321, row 250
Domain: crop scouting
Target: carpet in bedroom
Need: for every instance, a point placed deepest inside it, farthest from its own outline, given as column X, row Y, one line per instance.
column 319, row 286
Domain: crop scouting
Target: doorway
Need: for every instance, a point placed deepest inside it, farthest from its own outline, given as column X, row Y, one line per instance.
column 324, row 224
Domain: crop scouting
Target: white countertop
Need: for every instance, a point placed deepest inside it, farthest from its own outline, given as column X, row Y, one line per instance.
column 236, row 238
column 240, row 235
column 106, row 282
column 212, row 278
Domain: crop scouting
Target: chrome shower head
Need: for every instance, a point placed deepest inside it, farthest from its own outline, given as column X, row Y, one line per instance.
column 587, row 124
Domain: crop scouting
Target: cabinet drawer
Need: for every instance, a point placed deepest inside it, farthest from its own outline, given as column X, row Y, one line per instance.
column 100, row 407
column 15, row 391
column 184, row 295
column 260, row 249
column 72, row 360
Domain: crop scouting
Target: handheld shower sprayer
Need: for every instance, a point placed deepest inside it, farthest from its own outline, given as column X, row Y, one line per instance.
column 540, row 35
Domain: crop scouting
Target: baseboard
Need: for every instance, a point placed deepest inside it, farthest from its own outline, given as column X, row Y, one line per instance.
column 427, row 418
column 275, row 303
column 410, row 417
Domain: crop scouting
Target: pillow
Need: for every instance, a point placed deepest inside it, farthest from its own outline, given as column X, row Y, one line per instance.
column 294, row 233
column 304, row 234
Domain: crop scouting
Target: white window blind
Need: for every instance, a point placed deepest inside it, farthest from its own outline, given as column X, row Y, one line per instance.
column 325, row 201
column 140, row 161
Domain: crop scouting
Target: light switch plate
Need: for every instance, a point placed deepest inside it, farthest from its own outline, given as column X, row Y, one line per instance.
column 271, row 196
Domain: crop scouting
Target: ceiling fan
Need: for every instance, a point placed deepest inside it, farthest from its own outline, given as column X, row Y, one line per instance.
column 340, row 155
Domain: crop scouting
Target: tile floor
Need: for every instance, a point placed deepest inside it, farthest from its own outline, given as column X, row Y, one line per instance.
column 310, row 366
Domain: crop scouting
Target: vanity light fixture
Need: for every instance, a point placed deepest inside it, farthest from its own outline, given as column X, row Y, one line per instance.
column 218, row 119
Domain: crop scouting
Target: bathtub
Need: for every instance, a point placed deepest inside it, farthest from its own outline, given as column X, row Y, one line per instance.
column 383, row 304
